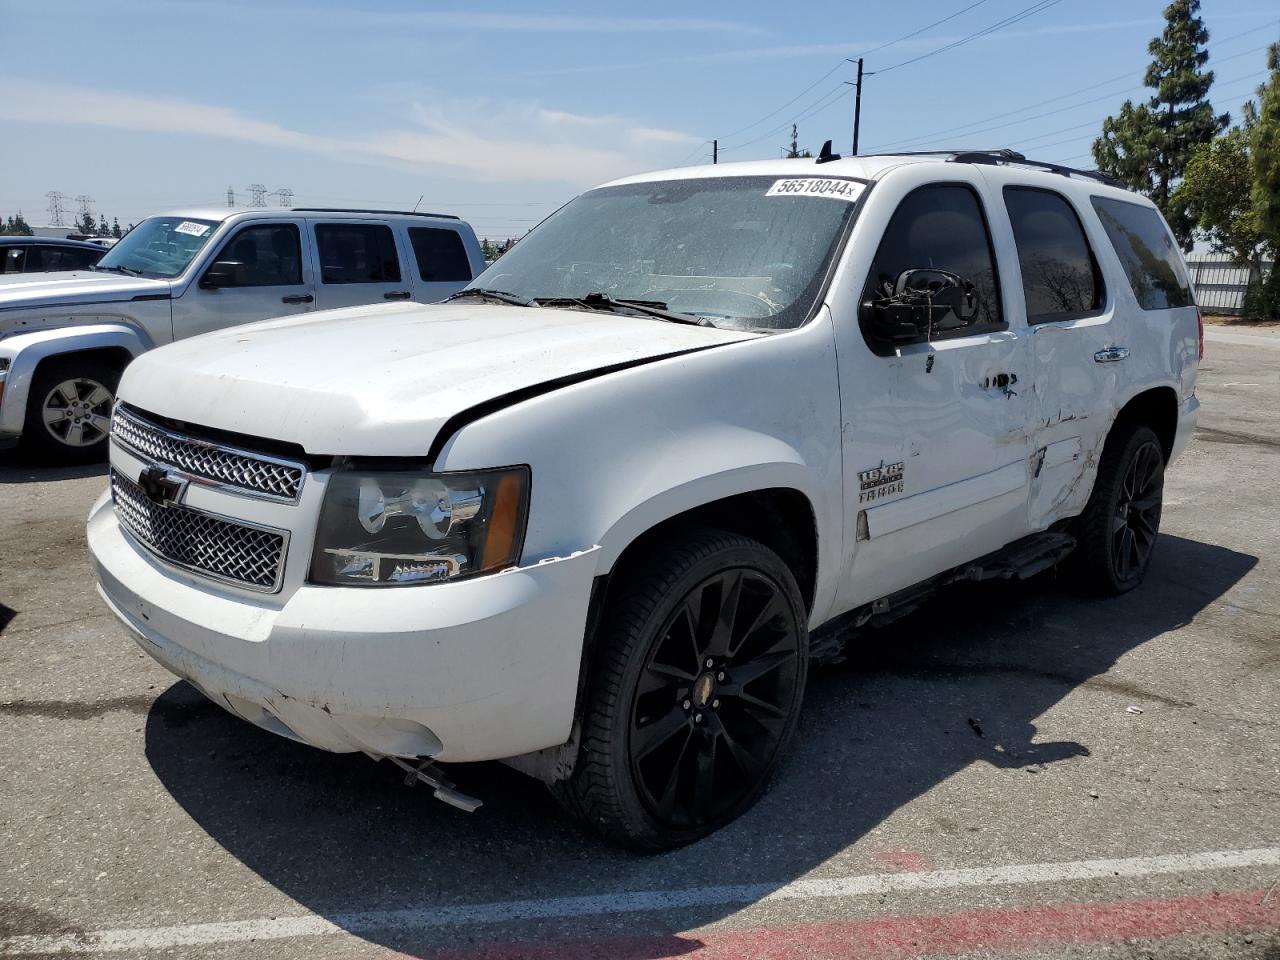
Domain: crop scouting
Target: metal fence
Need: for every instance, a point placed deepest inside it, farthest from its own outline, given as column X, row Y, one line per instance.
column 1220, row 282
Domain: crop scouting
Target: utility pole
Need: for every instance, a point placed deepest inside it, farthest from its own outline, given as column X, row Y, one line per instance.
column 231, row 197
column 715, row 151
column 857, row 108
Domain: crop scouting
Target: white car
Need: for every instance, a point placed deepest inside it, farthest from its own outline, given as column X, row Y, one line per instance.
column 66, row 336
column 592, row 515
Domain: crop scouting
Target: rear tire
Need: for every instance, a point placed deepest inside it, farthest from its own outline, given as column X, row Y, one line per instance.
column 697, row 682
column 1118, row 529
column 69, row 411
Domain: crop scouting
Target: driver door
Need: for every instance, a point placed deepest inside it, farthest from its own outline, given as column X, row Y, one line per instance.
column 263, row 274
column 935, row 425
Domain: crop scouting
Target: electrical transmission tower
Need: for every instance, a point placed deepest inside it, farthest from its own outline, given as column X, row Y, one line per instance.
column 259, row 193
column 231, row 197
column 86, row 205
column 55, row 208
column 285, row 196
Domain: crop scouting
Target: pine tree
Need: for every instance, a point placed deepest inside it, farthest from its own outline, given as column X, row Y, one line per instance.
column 102, row 229
column 115, row 227
column 1264, row 153
column 1148, row 146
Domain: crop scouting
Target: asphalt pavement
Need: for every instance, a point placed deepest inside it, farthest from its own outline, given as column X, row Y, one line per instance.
column 1013, row 771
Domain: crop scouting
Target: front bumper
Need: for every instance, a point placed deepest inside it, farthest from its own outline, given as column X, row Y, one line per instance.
column 480, row 669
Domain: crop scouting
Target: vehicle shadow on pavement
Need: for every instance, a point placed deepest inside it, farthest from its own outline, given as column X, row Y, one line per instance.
column 961, row 681
column 14, row 468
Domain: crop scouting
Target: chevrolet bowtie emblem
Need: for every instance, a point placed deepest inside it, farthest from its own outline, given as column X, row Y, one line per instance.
column 162, row 485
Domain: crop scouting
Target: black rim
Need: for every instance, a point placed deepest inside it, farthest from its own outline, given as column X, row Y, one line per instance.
column 714, row 698
column 1137, row 516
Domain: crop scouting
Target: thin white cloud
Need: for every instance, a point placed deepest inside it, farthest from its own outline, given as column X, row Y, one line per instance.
column 480, row 140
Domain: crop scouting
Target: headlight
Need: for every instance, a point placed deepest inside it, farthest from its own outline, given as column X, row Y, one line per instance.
column 384, row 528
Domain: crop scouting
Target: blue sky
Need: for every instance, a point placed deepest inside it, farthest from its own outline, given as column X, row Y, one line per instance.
column 502, row 112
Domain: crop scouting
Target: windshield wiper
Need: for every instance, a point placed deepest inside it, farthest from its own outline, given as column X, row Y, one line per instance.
column 649, row 308
column 500, row 296
column 117, row 268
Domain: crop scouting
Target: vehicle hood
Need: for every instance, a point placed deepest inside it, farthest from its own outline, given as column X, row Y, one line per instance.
column 382, row 380
column 21, row 291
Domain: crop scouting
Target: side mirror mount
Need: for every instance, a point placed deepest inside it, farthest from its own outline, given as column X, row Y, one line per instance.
column 222, row 273
column 919, row 303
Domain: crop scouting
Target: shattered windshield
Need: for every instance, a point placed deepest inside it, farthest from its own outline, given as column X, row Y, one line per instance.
column 743, row 252
column 158, row 247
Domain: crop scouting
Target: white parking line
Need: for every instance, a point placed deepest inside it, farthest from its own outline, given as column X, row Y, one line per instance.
column 1250, row 339
column 424, row 918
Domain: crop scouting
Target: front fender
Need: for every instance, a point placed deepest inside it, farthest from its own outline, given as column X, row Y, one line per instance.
column 21, row 354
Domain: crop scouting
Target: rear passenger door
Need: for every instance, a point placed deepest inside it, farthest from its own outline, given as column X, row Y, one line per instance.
column 1072, row 318
column 440, row 261
column 357, row 262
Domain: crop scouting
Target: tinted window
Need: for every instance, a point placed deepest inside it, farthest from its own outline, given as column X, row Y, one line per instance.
column 440, row 254
column 940, row 227
column 357, row 253
column 1059, row 275
column 269, row 255
column 47, row 258
column 12, row 259
column 1147, row 253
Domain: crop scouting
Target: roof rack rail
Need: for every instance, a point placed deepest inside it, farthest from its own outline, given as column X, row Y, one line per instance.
column 1005, row 155
column 386, row 213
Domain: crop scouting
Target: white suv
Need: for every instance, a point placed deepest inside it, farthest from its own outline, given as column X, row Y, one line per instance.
column 589, row 516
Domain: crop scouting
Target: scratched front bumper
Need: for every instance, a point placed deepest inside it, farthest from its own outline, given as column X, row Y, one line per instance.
column 475, row 670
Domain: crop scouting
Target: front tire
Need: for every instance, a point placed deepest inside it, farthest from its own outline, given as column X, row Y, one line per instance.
column 696, row 687
column 69, row 411
column 1117, row 531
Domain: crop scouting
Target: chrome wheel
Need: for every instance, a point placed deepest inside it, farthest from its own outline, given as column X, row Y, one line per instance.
column 715, row 698
column 1137, row 516
column 77, row 412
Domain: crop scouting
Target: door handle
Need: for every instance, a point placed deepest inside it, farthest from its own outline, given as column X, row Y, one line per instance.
column 298, row 298
column 397, row 295
column 1110, row 354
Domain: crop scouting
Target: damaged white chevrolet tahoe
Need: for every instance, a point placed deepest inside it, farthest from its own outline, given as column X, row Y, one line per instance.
column 589, row 516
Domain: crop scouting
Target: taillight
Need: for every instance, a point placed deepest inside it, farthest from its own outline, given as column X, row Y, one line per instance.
column 1200, row 330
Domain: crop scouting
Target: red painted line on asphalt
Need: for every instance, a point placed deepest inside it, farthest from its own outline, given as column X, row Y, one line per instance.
column 903, row 861
column 908, row 937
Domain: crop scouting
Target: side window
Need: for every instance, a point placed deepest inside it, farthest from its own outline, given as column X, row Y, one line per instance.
column 440, row 254
column 1147, row 252
column 269, row 254
column 357, row 253
column 83, row 259
column 1060, row 276
column 12, row 259
column 937, row 227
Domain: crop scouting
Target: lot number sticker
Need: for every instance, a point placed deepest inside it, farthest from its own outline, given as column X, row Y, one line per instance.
column 815, row 187
column 195, row 229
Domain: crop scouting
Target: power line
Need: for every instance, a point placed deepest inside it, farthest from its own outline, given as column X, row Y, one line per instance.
column 924, row 138
column 916, row 33
column 1031, row 11
column 830, row 97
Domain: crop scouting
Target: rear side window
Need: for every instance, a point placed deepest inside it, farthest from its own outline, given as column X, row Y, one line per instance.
column 12, row 259
column 357, row 253
column 1059, row 274
column 1147, row 253
column 440, row 254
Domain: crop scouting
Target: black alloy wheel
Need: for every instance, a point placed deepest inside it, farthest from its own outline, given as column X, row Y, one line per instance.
column 1137, row 516
column 696, row 677
column 717, row 690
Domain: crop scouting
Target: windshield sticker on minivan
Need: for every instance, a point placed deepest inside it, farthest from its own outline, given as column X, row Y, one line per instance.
column 815, row 187
column 195, row 229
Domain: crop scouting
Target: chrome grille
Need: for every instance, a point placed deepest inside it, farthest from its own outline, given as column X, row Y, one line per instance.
column 244, row 470
column 201, row 542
